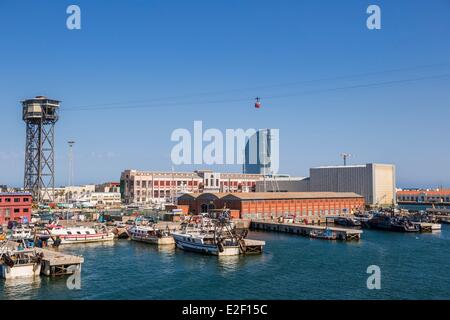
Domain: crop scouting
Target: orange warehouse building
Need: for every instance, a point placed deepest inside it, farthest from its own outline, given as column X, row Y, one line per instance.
column 265, row 205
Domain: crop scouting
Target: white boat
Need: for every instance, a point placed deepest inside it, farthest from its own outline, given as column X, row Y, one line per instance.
column 21, row 232
column 436, row 227
column 206, row 243
column 150, row 234
column 80, row 234
column 19, row 263
column 215, row 237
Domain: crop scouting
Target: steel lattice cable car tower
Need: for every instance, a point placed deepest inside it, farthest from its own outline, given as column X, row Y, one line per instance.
column 40, row 115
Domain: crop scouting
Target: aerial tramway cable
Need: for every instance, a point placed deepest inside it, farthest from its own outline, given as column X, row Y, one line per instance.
column 145, row 103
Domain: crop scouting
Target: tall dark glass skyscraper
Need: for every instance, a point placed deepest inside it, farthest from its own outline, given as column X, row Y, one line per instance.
column 258, row 153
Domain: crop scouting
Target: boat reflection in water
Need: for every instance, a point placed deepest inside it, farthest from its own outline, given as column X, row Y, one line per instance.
column 229, row 264
column 21, row 288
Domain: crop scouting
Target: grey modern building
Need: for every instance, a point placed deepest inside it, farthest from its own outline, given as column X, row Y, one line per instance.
column 282, row 183
column 375, row 181
column 259, row 150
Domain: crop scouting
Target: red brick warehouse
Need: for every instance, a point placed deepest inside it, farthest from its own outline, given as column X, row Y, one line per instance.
column 264, row 205
column 15, row 207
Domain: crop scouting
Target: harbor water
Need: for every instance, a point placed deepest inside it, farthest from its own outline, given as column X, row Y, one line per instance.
column 413, row 266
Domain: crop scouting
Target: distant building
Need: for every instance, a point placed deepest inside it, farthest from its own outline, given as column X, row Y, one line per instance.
column 258, row 153
column 283, row 183
column 148, row 186
column 376, row 182
column 302, row 206
column 15, row 207
column 108, row 187
column 68, row 193
column 424, row 196
column 100, row 199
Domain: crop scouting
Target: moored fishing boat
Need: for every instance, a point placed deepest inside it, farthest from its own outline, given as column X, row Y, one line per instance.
column 215, row 237
column 392, row 223
column 79, row 234
column 207, row 244
column 150, row 234
column 19, row 263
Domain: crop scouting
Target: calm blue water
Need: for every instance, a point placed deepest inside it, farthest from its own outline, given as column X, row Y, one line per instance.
column 413, row 266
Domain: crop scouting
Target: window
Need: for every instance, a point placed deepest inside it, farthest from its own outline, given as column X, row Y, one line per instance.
column 16, row 210
column 26, row 199
column 16, row 199
column 25, row 210
column 87, row 232
column 78, row 232
column 7, row 199
column 68, row 232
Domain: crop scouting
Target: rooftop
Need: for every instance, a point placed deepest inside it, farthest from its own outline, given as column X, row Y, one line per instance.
column 12, row 194
column 292, row 195
column 273, row 195
column 352, row 166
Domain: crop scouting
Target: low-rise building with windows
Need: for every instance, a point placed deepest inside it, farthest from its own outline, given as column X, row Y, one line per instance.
column 15, row 207
column 149, row 186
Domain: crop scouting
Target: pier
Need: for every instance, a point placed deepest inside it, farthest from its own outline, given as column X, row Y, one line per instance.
column 304, row 230
column 55, row 263
column 253, row 246
column 428, row 226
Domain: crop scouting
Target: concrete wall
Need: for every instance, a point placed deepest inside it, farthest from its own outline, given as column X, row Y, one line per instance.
column 356, row 179
column 283, row 185
column 376, row 182
column 384, row 184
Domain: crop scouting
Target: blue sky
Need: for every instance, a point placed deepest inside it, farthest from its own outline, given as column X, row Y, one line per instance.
column 161, row 62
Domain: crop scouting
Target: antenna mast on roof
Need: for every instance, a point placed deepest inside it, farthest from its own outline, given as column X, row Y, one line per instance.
column 345, row 156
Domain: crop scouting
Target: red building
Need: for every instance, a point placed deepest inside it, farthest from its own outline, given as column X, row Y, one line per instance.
column 308, row 206
column 15, row 207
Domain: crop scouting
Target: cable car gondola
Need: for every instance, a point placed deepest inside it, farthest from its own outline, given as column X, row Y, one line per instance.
column 257, row 103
